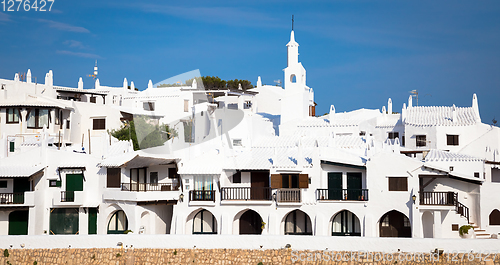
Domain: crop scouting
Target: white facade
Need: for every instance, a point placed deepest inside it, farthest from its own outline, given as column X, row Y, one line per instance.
column 242, row 162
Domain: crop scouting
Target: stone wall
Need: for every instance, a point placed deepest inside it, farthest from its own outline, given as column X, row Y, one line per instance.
column 117, row 256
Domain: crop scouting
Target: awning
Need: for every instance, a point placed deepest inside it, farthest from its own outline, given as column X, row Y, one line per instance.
column 21, row 171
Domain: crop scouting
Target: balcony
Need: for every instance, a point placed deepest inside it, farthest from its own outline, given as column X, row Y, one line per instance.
column 342, row 194
column 288, row 195
column 12, row 198
column 148, row 187
column 67, row 196
column 202, row 195
column 246, row 194
column 447, row 198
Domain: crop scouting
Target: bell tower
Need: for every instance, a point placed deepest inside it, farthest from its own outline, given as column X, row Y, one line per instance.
column 295, row 104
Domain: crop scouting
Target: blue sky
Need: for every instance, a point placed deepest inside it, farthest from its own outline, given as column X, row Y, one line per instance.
column 357, row 53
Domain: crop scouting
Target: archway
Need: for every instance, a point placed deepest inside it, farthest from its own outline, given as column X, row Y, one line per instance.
column 118, row 223
column 18, row 223
column 346, row 223
column 428, row 224
column 495, row 217
column 250, row 223
column 204, row 222
column 394, row 224
column 298, row 223
column 293, row 78
column 145, row 223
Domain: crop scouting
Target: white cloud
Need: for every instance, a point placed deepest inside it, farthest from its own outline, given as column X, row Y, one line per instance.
column 75, row 44
column 79, row 54
column 64, row 26
column 4, row 17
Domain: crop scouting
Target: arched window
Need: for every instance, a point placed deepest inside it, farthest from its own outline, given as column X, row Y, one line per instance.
column 495, row 217
column 118, row 223
column 293, row 78
column 298, row 223
column 204, row 222
column 346, row 223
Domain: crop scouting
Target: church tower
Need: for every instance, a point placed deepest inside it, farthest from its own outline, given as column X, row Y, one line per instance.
column 295, row 104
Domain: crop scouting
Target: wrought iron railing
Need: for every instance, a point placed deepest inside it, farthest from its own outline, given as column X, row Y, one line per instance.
column 12, row 198
column 437, row 198
column 342, row 194
column 148, row 187
column 67, row 196
column 246, row 193
column 202, row 195
column 288, row 195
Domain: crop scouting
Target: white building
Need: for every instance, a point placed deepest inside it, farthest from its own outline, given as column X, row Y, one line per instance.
column 242, row 162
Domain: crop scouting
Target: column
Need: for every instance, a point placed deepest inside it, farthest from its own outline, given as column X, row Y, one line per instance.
column 437, row 224
column 52, row 124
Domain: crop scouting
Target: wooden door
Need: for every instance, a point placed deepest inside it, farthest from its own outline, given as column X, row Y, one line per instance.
column 394, row 224
column 260, row 185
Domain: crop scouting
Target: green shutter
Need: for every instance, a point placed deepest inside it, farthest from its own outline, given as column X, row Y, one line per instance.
column 74, row 182
column 335, row 185
column 12, row 146
column 92, row 221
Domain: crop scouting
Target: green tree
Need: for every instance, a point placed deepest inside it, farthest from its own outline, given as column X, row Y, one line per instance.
column 144, row 133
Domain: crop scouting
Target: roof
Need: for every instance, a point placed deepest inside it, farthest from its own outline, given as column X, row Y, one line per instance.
column 389, row 121
column 135, row 160
column 36, row 101
column 443, row 116
column 83, row 91
column 21, row 171
column 439, row 155
column 454, row 174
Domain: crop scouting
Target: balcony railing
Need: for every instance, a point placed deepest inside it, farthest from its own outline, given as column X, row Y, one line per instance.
column 342, row 194
column 246, row 194
column 202, row 195
column 12, row 198
column 438, row 198
column 67, row 196
column 288, row 195
column 148, row 187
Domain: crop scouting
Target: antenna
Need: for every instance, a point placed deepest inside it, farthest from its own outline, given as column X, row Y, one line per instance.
column 414, row 93
column 292, row 22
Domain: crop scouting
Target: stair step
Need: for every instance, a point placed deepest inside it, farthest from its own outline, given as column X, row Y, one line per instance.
column 483, row 235
column 479, row 230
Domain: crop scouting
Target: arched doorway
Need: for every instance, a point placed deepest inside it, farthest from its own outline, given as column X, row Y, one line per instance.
column 428, row 224
column 345, row 223
column 298, row 223
column 250, row 223
column 118, row 223
column 394, row 224
column 495, row 217
column 204, row 222
column 18, row 223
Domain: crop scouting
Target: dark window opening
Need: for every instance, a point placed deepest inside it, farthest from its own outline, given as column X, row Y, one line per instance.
column 92, row 99
column 451, row 139
column 113, row 177
column 421, row 140
column 393, row 135
column 99, row 124
column 398, row 184
column 153, row 178
column 237, row 177
column 54, row 183
column 3, row 184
